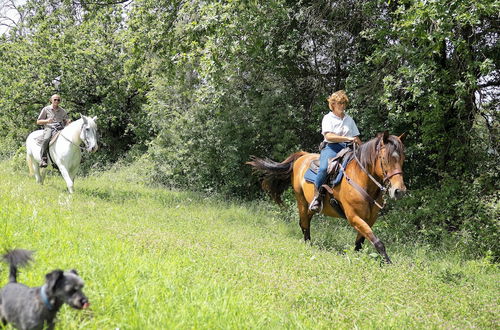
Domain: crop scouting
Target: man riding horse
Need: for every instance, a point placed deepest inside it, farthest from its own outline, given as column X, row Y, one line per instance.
column 54, row 118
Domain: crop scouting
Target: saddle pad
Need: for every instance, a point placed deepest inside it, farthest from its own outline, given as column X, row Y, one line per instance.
column 39, row 139
column 311, row 175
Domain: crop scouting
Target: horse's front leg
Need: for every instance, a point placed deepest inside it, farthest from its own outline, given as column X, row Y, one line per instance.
column 365, row 230
column 67, row 177
column 360, row 239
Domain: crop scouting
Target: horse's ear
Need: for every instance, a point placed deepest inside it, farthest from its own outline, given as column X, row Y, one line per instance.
column 402, row 137
column 94, row 118
column 84, row 119
column 385, row 137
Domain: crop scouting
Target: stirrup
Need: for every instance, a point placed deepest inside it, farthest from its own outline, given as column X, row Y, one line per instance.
column 319, row 208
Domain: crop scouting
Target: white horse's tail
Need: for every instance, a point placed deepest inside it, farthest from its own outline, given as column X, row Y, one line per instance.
column 30, row 164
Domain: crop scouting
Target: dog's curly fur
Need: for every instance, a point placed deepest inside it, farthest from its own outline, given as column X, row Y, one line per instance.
column 36, row 308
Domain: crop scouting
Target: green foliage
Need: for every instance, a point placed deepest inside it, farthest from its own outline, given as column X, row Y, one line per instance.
column 451, row 215
column 430, row 64
column 85, row 48
column 217, row 104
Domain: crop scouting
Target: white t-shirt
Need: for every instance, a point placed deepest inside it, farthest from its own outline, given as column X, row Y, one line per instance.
column 339, row 126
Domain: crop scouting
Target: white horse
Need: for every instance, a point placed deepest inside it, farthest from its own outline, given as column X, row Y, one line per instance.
column 64, row 151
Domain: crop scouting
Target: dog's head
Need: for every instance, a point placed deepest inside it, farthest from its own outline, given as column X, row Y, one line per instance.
column 67, row 288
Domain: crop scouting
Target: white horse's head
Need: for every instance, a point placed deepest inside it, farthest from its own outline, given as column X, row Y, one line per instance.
column 88, row 133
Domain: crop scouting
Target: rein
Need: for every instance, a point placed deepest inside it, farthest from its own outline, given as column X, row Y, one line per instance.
column 382, row 188
column 73, row 143
column 356, row 186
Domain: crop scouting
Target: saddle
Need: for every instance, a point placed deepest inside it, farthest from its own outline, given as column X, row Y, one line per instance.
column 333, row 163
column 334, row 174
column 53, row 138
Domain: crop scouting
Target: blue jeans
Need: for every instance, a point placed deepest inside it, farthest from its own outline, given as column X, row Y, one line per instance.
column 327, row 153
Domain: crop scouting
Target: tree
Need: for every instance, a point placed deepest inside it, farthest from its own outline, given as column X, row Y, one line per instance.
column 424, row 77
column 84, row 46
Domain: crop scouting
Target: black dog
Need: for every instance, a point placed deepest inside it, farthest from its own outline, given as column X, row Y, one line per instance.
column 36, row 308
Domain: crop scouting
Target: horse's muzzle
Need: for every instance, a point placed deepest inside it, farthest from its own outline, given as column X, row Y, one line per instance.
column 397, row 193
column 93, row 148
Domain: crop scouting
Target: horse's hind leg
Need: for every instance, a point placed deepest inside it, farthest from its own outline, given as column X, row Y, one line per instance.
column 305, row 217
column 365, row 230
column 38, row 176
column 34, row 167
column 360, row 239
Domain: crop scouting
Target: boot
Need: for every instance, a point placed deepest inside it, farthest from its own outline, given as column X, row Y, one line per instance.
column 43, row 162
column 316, row 204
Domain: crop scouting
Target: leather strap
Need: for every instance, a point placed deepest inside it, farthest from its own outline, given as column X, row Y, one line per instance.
column 390, row 175
column 365, row 195
column 381, row 187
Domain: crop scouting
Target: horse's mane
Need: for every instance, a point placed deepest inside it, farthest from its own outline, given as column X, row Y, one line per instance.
column 367, row 152
column 79, row 122
column 73, row 123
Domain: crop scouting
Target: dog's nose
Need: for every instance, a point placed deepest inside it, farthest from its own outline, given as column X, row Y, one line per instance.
column 85, row 303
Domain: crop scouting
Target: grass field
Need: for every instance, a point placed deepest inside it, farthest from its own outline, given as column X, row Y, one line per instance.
column 159, row 259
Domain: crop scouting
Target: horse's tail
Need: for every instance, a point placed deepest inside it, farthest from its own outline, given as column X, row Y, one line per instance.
column 276, row 176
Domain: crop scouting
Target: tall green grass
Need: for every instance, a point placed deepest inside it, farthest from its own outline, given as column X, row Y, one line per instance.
column 158, row 259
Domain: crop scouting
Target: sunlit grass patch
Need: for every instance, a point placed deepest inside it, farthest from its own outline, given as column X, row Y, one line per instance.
column 159, row 259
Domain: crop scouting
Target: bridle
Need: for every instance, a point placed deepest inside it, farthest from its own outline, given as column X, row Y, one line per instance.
column 386, row 176
column 84, row 138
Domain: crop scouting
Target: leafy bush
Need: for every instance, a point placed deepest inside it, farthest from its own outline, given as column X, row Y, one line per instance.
column 452, row 214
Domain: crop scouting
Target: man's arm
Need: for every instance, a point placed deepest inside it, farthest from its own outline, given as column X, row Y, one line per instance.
column 44, row 121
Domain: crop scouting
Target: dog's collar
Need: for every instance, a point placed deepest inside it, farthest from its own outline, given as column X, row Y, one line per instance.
column 44, row 297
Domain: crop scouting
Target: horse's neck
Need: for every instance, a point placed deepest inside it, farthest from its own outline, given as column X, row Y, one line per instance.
column 362, row 177
column 72, row 132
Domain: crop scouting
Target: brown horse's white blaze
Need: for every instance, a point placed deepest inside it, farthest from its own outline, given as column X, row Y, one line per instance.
column 383, row 159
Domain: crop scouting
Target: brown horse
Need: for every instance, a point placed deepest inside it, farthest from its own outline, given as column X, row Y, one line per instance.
column 378, row 162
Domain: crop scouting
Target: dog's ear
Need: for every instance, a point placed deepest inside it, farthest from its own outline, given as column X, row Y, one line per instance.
column 73, row 271
column 53, row 279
